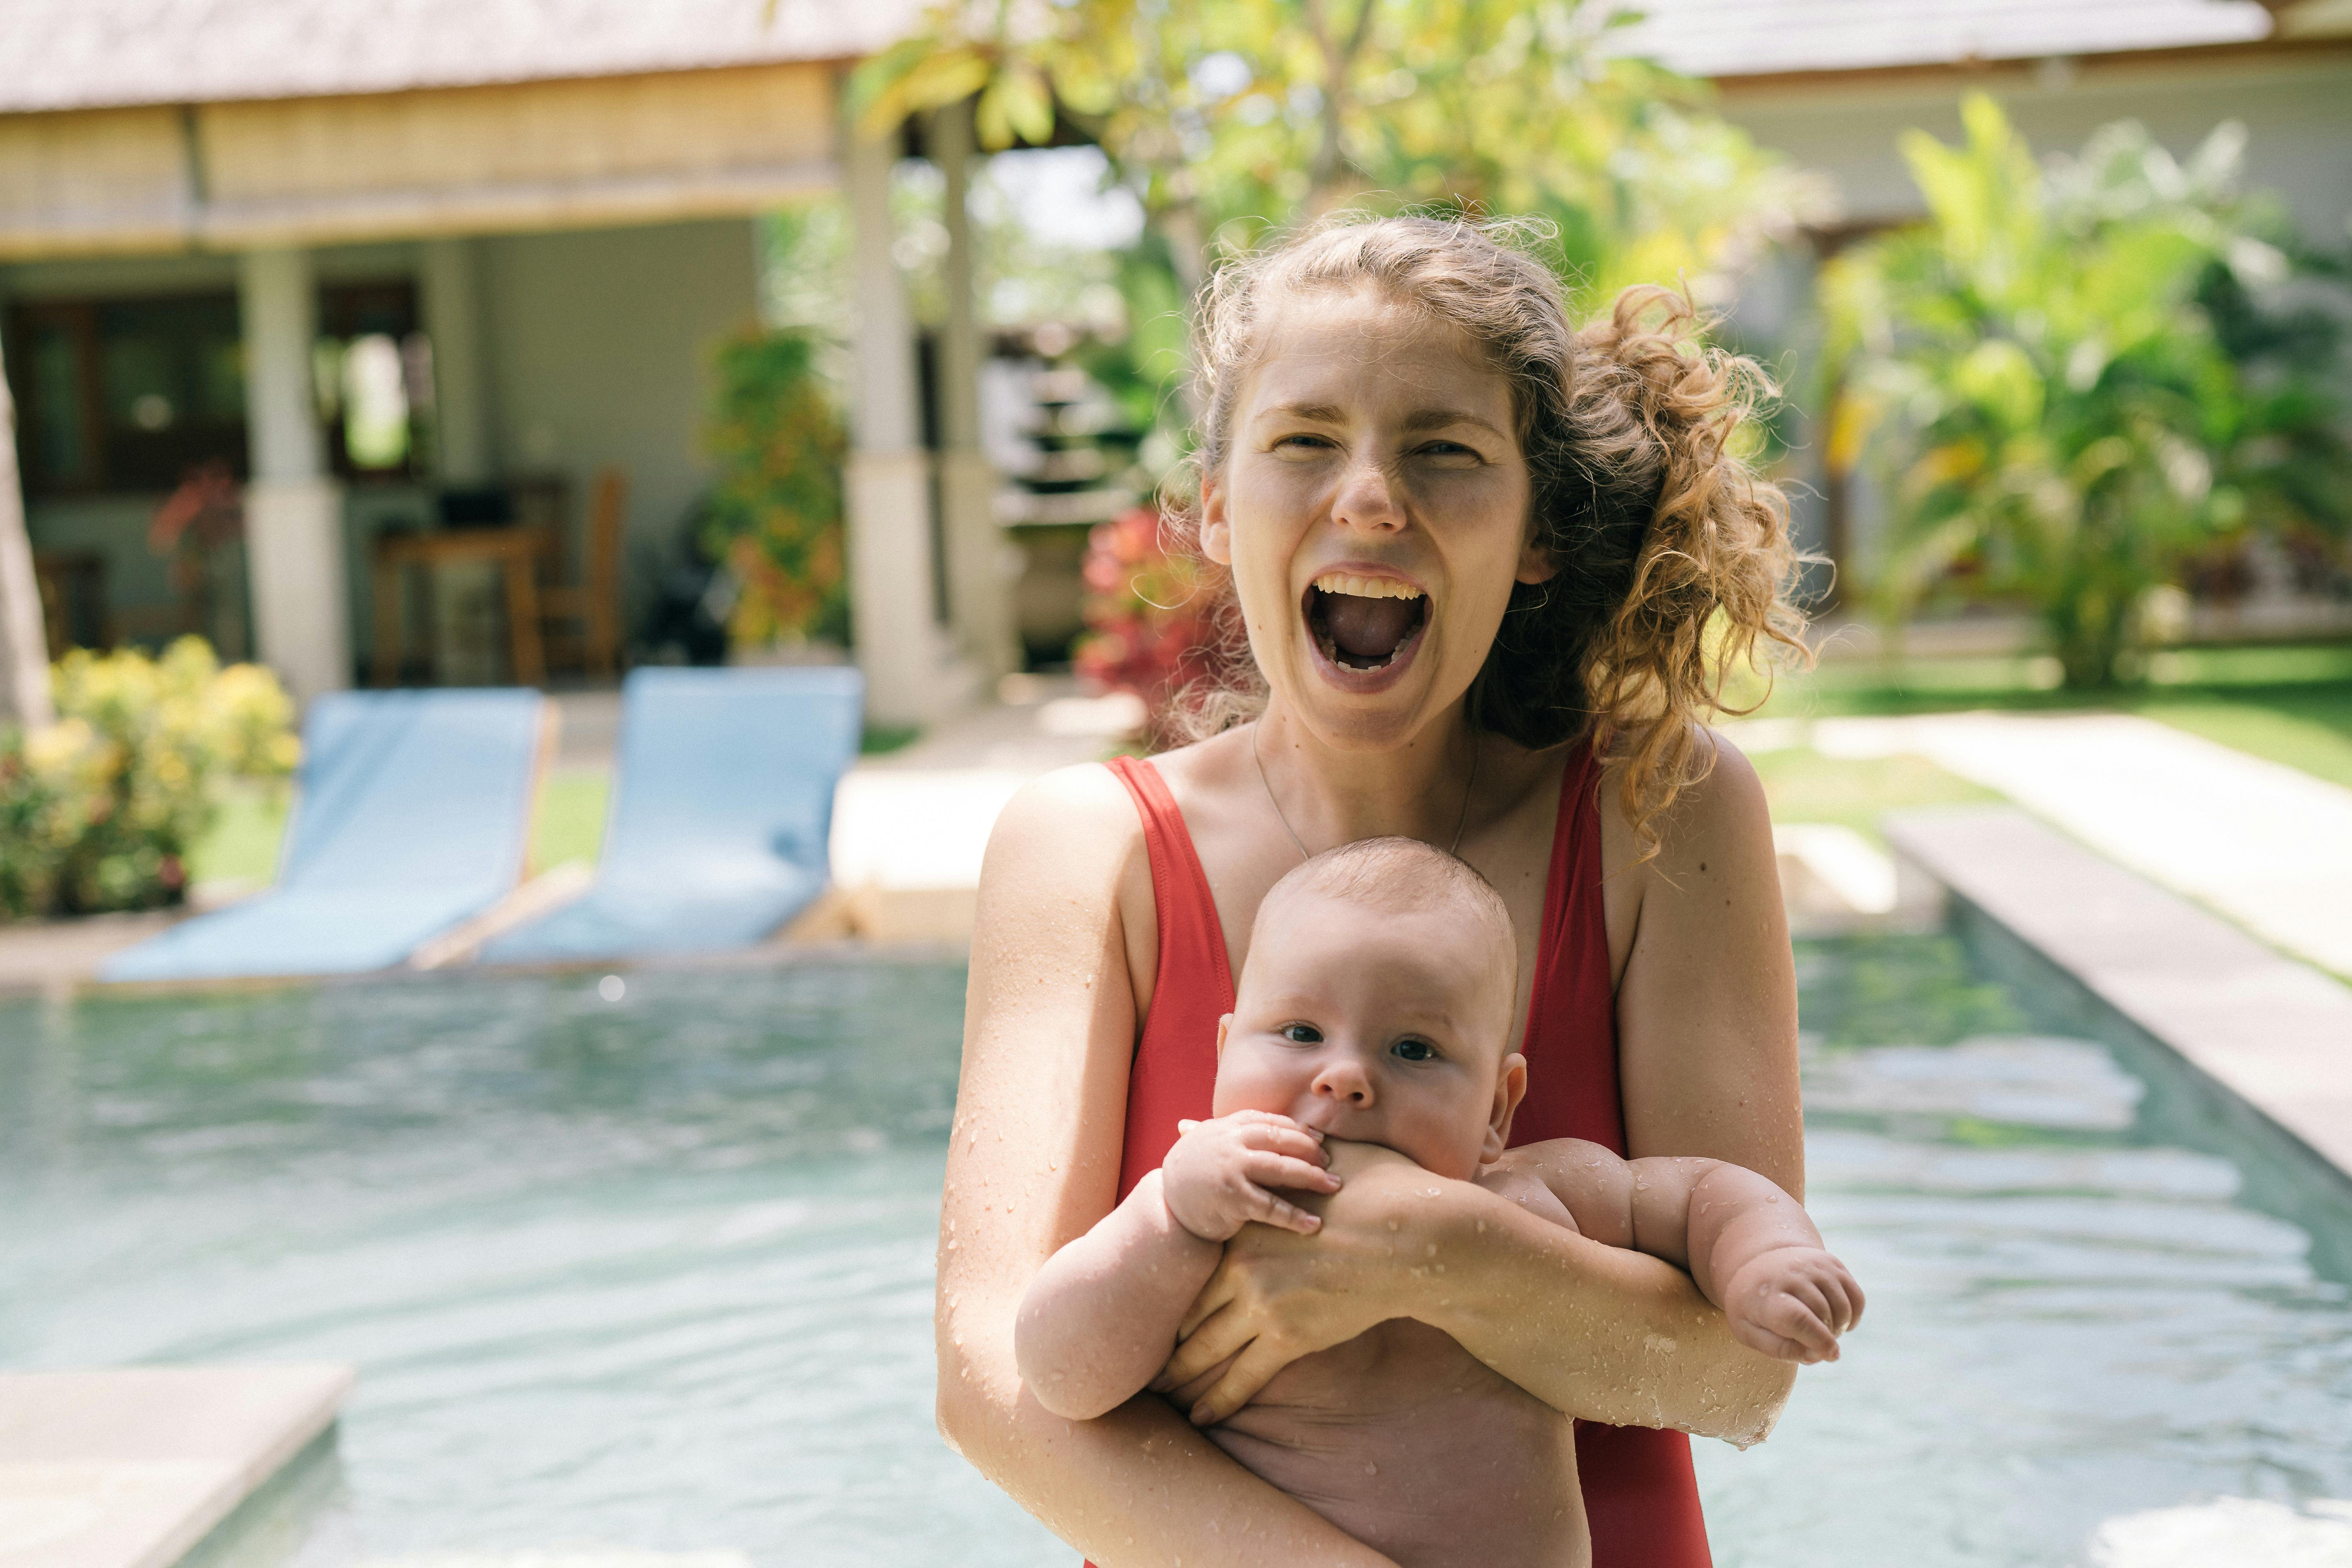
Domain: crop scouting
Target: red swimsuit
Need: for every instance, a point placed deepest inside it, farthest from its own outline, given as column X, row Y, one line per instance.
column 1638, row 1492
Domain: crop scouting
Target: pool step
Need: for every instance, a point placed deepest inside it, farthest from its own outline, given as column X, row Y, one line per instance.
column 130, row 1468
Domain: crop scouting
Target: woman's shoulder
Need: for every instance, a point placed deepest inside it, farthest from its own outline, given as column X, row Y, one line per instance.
column 1719, row 814
column 1065, row 818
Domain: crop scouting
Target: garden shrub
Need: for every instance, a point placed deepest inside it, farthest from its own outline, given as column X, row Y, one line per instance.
column 1147, row 613
column 775, row 515
column 98, row 811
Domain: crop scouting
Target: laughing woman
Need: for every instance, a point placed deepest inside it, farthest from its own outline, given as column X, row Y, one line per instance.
column 1481, row 561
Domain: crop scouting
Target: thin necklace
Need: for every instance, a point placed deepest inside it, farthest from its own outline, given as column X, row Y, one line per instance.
column 1469, row 784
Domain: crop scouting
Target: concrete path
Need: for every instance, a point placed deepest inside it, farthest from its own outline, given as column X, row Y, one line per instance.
column 2267, row 845
column 129, row 1469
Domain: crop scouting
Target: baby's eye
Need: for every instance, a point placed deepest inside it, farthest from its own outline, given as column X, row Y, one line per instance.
column 1302, row 1034
column 1414, row 1050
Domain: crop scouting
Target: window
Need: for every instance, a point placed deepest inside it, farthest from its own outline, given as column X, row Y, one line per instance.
column 129, row 395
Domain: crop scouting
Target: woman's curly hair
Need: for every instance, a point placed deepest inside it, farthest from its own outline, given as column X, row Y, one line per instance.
column 1674, row 555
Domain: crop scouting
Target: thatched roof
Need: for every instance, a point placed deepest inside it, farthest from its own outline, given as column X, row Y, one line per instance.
column 91, row 54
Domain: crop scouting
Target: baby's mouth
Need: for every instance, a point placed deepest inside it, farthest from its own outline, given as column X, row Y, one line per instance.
column 1364, row 622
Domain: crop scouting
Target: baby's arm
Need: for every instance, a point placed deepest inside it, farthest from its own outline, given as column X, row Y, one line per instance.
column 1100, row 1319
column 1748, row 1246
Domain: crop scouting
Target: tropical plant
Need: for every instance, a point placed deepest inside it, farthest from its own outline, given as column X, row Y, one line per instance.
column 774, row 516
column 2036, row 377
column 98, row 810
column 1149, row 628
column 1227, row 120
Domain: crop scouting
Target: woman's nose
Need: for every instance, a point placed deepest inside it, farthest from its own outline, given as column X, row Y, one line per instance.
column 1346, row 1081
column 1366, row 498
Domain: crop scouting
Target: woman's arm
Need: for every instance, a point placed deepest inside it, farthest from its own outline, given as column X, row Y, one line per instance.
column 1050, row 1025
column 1707, row 1064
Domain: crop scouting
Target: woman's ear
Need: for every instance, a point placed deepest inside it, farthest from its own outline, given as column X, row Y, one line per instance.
column 1535, row 564
column 1510, row 1088
column 1216, row 525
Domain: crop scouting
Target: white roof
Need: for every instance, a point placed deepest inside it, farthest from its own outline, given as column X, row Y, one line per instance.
column 1756, row 37
column 86, row 53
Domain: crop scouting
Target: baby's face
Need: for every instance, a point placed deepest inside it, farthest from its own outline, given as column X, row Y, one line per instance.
column 1377, row 1026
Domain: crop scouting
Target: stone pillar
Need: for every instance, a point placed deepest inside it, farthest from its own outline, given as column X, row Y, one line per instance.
column 293, row 508
column 890, row 479
column 450, row 301
column 23, row 645
column 979, row 590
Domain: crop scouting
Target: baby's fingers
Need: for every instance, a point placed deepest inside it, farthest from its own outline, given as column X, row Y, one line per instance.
column 1757, row 1337
column 1284, row 1171
column 1266, row 1209
column 1296, row 1141
column 1792, row 1316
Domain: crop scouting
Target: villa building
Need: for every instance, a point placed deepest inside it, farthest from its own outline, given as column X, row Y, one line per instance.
column 384, row 260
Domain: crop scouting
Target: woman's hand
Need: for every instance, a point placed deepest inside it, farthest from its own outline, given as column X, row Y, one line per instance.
column 1279, row 1296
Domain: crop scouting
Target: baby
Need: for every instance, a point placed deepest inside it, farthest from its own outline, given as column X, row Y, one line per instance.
column 1375, row 1007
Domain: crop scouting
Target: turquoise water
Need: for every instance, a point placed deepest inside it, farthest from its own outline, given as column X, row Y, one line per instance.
column 654, row 1273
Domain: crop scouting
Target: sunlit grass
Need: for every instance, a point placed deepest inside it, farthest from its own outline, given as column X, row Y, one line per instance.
column 242, row 844
column 570, row 825
column 1802, row 785
column 2291, row 704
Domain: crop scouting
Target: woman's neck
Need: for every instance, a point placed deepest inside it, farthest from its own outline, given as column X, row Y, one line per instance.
column 1328, row 796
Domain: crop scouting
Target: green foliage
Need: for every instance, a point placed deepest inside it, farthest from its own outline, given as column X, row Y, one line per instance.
column 98, row 811
column 1231, row 119
column 775, row 514
column 2037, row 375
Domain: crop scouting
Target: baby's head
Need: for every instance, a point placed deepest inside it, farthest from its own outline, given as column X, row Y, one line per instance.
column 1376, row 1004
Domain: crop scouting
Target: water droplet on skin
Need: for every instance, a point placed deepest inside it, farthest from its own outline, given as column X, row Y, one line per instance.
column 1432, row 1249
column 1392, row 1225
column 1482, row 1228
column 1371, row 1469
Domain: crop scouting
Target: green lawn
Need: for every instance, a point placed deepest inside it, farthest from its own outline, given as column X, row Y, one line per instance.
column 2291, row 704
column 1803, row 785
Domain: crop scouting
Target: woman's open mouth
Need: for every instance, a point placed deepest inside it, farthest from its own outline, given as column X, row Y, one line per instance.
column 1365, row 625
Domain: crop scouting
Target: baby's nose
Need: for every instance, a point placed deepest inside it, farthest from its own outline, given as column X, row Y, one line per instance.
column 1345, row 1082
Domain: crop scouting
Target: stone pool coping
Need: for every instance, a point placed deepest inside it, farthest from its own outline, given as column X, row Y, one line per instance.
column 2274, row 1032
column 132, row 1466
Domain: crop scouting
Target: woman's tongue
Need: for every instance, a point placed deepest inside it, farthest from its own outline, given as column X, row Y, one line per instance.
column 1367, row 631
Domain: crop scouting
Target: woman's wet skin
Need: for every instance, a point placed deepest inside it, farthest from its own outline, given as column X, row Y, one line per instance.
column 1372, row 442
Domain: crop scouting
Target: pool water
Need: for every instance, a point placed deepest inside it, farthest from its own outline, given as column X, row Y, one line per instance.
column 654, row 1273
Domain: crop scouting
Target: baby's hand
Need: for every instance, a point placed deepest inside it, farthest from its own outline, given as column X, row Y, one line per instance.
column 1215, row 1180
column 1792, row 1302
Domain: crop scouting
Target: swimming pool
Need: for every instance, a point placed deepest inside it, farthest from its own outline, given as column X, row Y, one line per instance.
column 654, row 1273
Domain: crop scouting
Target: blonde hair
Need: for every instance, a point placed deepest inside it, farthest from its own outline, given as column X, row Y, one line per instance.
column 1403, row 876
column 1672, row 555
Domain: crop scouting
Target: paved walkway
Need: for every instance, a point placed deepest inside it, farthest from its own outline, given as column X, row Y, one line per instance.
column 2265, row 845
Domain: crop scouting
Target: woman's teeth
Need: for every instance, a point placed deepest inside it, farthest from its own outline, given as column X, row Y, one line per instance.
column 1364, row 622
column 1365, row 587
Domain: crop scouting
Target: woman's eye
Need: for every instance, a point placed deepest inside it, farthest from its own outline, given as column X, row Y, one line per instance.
column 1302, row 1034
column 1416, row 1051
column 1302, row 443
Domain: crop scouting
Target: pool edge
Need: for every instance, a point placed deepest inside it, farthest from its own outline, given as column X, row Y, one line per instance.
column 2273, row 1034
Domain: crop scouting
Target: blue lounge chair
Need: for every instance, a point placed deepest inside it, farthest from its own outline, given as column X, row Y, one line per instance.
column 413, row 815
column 721, row 809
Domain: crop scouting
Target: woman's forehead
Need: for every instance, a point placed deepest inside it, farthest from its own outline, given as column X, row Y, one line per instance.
column 1343, row 349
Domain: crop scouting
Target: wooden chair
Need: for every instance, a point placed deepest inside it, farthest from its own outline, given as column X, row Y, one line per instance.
column 592, row 604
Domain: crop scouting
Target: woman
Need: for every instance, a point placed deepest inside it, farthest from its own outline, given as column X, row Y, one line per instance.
column 1480, row 562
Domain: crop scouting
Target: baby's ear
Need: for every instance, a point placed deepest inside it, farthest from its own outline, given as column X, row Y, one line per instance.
column 1510, row 1088
column 1224, row 1026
